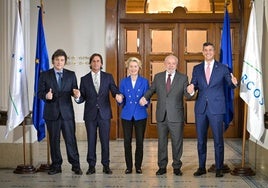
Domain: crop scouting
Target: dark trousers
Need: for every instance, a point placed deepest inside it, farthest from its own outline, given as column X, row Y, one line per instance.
column 216, row 123
column 68, row 132
column 104, row 134
column 128, row 126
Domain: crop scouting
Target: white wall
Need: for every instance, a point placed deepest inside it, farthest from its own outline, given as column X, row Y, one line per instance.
column 78, row 27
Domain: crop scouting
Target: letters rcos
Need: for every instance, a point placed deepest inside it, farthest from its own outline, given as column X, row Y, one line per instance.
column 252, row 87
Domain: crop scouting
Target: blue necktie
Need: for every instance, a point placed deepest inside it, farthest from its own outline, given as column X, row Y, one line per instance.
column 59, row 79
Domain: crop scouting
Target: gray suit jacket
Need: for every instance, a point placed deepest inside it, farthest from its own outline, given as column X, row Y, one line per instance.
column 170, row 103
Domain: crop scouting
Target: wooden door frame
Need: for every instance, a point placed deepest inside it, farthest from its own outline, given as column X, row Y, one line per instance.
column 115, row 14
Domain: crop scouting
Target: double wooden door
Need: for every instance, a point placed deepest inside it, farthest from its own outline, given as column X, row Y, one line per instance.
column 152, row 42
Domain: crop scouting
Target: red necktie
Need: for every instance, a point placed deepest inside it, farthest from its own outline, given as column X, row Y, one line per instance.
column 168, row 84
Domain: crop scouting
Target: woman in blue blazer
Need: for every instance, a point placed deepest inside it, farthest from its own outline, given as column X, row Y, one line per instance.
column 133, row 115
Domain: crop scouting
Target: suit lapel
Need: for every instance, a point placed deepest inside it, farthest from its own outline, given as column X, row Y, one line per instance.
column 175, row 80
column 53, row 78
column 64, row 76
column 214, row 72
column 204, row 73
column 163, row 81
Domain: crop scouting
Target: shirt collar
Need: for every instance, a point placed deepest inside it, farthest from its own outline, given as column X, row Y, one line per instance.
column 211, row 63
column 93, row 73
column 167, row 73
column 56, row 71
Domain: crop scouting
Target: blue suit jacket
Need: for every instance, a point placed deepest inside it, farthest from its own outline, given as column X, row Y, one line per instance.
column 97, row 101
column 131, row 106
column 211, row 94
column 62, row 99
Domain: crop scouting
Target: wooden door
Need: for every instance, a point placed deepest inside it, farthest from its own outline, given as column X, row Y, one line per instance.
column 152, row 42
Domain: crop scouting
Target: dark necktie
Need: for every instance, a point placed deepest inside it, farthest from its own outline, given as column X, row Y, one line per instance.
column 168, row 84
column 59, row 79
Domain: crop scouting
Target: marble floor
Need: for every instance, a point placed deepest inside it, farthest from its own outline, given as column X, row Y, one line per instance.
column 67, row 179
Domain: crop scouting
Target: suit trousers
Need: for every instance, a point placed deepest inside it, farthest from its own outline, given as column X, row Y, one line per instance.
column 104, row 134
column 175, row 129
column 128, row 126
column 68, row 132
column 216, row 123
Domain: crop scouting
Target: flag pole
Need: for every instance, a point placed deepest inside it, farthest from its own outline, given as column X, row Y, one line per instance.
column 23, row 168
column 243, row 171
column 45, row 167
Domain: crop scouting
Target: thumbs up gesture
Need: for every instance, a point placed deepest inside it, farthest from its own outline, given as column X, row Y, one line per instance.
column 234, row 80
column 49, row 95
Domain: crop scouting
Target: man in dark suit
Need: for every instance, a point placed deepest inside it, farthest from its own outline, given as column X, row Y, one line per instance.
column 170, row 87
column 94, row 90
column 209, row 78
column 56, row 89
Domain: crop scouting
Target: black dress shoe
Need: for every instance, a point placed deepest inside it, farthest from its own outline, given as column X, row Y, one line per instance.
column 161, row 171
column 177, row 172
column 53, row 171
column 219, row 174
column 107, row 170
column 128, row 171
column 138, row 171
column 200, row 171
column 77, row 171
column 91, row 170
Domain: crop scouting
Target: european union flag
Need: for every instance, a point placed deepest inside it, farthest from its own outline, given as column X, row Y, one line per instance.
column 41, row 64
column 226, row 58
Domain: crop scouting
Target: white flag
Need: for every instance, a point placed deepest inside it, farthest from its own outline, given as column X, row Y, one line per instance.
column 251, row 89
column 18, row 105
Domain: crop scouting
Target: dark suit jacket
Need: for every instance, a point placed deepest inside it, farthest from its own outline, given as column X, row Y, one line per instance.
column 171, row 102
column 97, row 101
column 211, row 95
column 62, row 99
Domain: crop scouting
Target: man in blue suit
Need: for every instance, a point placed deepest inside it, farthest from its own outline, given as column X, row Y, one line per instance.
column 55, row 87
column 209, row 78
column 94, row 90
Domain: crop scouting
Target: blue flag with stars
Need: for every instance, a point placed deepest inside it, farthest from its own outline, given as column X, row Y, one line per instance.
column 226, row 58
column 41, row 64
